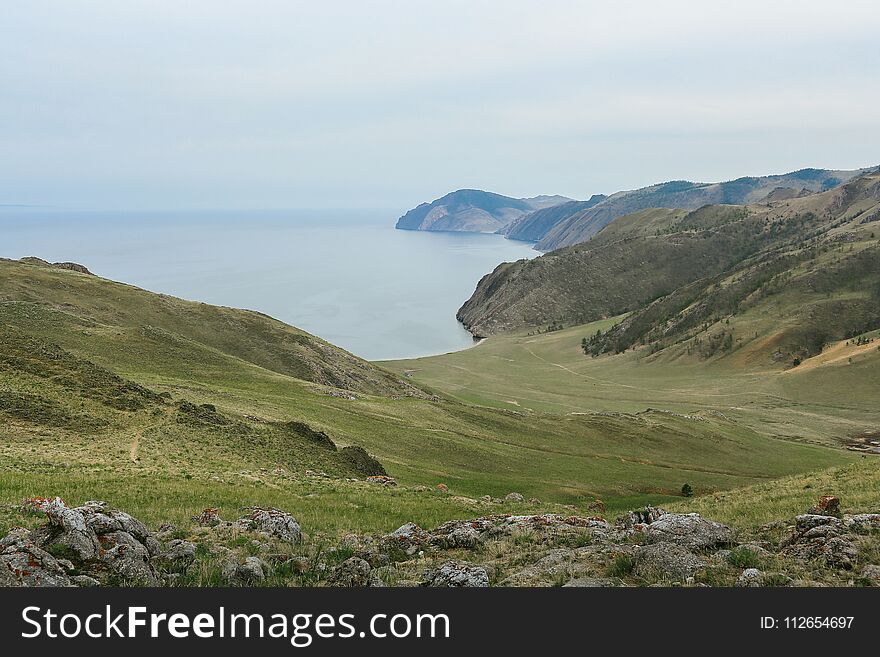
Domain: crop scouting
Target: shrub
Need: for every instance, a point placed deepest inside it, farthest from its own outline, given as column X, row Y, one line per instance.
column 622, row 565
column 687, row 491
column 743, row 557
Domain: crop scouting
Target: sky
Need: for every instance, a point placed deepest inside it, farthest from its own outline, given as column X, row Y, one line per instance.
column 269, row 104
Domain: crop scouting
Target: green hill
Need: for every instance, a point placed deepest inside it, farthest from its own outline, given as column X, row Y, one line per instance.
column 678, row 272
column 164, row 407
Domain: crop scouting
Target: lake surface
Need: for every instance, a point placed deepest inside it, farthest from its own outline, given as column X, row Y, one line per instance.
column 346, row 276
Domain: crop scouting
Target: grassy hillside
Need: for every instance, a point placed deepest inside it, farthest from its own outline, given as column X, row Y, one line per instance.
column 700, row 266
column 829, row 398
column 164, row 407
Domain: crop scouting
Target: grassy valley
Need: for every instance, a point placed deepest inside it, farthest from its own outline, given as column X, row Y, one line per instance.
column 164, row 407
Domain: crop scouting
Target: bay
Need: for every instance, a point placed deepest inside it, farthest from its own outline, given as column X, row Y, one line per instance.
column 345, row 275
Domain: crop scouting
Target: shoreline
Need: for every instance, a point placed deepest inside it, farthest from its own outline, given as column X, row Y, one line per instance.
column 477, row 343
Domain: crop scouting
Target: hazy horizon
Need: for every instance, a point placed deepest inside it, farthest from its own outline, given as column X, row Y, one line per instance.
column 153, row 105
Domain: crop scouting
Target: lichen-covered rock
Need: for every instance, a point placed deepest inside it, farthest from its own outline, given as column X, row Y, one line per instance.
column 273, row 523
column 828, row 505
column 514, row 497
column 408, row 537
column 644, row 516
column 178, row 555
column 382, row 480
column 127, row 558
column 556, row 565
column 872, row 574
column 456, row 573
column 209, row 517
column 824, row 539
column 68, row 528
column 353, row 572
column 251, row 571
column 690, row 530
column 750, row 577
column 23, row 563
column 666, row 561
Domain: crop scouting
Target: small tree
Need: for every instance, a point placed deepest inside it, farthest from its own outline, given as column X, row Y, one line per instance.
column 687, row 491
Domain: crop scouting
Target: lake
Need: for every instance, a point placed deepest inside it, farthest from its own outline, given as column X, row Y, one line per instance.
column 345, row 275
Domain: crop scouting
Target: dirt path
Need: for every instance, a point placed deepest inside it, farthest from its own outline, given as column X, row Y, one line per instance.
column 133, row 451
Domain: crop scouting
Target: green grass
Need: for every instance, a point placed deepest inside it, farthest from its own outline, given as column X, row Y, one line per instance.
column 549, row 373
column 80, row 351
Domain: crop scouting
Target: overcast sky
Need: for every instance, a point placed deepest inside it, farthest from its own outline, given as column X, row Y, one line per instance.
column 261, row 104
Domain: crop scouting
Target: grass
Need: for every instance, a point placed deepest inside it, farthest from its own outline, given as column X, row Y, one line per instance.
column 164, row 407
column 548, row 373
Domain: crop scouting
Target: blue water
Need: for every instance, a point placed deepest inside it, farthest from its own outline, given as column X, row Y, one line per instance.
column 346, row 276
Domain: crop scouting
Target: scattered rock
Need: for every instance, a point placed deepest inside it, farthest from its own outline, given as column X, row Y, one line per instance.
column 643, row 516
column 666, row 561
column 689, row 530
column 443, row 488
column 22, row 563
column 353, row 572
column 209, row 517
column 750, row 577
column 178, row 555
column 457, row 573
column 273, row 523
column 514, row 497
column 382, row 480
column 598, row 506
column 251, row 571
column 828, row 506
column 872, row 573
column 409, row 537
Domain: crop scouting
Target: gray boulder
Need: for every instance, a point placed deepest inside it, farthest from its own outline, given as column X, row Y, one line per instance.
column 178, row 555
column 251, row 571
column 457, row 573
column 689, row 530
column 23, row 563
column 351, row 573
column 750, row 577
column 273, row 523
column 667, row 562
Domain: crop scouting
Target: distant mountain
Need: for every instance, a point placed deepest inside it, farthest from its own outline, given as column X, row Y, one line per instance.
column 804, row 270
column 473, row 210
column 533, row 226
column 579, row 226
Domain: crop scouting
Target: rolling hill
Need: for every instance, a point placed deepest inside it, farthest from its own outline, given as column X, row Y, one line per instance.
column 473, row 210
column 677, row 271
column 164, row 407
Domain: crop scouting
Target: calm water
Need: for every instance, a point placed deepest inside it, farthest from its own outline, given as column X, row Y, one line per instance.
column 346, row 276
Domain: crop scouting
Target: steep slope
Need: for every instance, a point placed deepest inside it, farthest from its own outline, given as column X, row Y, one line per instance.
column 678, row 257
column 472, row 210
column 40, row 297
column 686, row 195
column 533, row 226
